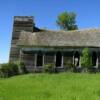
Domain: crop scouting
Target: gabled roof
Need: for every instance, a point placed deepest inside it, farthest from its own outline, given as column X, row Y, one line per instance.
column 76, row 38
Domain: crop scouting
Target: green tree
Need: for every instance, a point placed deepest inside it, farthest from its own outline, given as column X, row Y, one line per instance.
column 86, row 59
column 66, row 21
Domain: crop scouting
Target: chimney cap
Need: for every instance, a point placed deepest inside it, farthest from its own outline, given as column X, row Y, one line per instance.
column 23, row 18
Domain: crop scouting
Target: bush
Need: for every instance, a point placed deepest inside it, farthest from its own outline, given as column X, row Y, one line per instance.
column 4, row 70
column 23, row 68
column 8, row 69
column 68, row 65
column 86, row 60
column 14, row 68
column 49, row 67
column 77, row 69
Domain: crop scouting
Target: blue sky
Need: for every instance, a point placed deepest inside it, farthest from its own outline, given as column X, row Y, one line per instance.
column 45, row 13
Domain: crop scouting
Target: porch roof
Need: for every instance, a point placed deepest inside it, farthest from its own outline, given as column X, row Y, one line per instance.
column 28, row 49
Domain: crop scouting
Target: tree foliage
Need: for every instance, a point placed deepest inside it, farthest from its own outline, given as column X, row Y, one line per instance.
column 86, row 59
column 66, row 21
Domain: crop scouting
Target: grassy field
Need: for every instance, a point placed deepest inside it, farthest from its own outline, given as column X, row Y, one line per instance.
column 63, row 86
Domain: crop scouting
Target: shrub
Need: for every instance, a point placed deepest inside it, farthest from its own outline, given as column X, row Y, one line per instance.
column 49, row 67
column 68, row 64
column 4, row 70
column 8, row 69
column 23, row 68
column 14, row 68
column 86, row 60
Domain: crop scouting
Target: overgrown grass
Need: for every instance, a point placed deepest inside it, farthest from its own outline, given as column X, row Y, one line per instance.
column 63, row 86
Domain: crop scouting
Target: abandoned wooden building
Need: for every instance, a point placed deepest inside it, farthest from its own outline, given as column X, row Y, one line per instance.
column 38, row 47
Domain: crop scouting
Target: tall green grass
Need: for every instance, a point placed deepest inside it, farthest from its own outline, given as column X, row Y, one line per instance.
column 63, row 86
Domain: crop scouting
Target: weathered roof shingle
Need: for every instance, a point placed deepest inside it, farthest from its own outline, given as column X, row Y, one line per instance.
column 86, row 38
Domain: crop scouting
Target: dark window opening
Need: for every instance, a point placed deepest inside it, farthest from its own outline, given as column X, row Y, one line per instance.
column 58, row 59
column 94, row 58
column 39, row 59
column 76, row 58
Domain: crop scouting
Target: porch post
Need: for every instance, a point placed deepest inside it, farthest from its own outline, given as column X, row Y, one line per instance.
column 80, row 62
column 20, row 58
column 62, row 61
column 43, row 60
column 73, row 59
column 55, row 60
column 35, row 60
column 97, row 63
column 20, row 53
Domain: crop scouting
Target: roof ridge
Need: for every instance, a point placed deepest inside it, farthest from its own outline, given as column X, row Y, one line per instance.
column 87, row 29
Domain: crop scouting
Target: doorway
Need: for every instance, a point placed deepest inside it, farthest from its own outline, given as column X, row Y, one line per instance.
column 39, row 59
column 94, row 58
column 58, row 59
